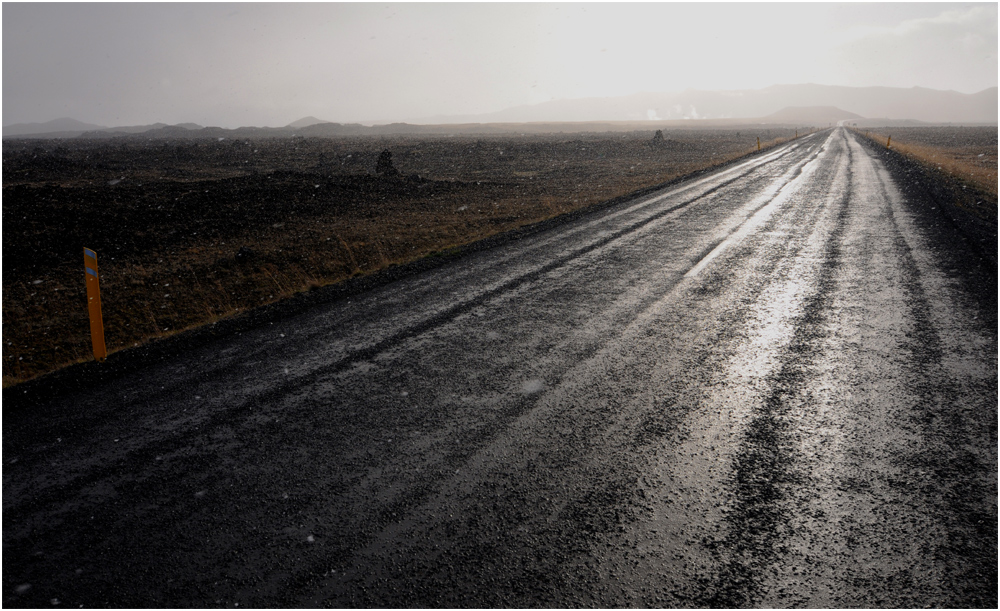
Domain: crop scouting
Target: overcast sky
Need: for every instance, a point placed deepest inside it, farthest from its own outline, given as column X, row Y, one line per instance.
column 230, row 65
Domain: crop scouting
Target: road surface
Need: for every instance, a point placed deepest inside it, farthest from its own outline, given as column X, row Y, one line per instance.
column 772, row 385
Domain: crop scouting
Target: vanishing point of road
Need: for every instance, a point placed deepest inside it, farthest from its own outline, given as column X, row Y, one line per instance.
column 770, row 385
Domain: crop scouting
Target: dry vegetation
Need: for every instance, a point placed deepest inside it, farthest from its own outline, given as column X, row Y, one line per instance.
column 966, row 153
column 190, row 231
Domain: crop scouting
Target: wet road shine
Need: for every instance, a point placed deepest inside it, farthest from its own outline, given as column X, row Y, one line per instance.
column 767, row 386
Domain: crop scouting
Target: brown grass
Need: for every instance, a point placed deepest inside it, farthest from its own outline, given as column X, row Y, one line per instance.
column 959, row 152
column 197, row 277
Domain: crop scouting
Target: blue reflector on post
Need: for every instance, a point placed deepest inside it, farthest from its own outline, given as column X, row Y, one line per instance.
column 89, row 253
column 91, row 272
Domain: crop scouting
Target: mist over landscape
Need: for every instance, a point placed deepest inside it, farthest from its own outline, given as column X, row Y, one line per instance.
column 787, row 104
column 270, row 65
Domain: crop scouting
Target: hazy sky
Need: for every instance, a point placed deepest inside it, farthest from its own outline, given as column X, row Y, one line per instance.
column 269, row 64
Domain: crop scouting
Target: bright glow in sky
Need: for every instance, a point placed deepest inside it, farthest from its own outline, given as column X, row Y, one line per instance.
column 270, row 64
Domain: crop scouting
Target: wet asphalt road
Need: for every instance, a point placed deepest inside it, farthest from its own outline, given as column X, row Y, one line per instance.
column 774, row 385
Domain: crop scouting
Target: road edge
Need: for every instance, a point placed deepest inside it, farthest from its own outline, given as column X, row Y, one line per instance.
column 936, row 202
column 951, row 197
column 80, row 376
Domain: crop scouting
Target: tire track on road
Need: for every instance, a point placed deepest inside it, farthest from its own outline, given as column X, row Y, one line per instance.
column 225, row 415
column 763, row 467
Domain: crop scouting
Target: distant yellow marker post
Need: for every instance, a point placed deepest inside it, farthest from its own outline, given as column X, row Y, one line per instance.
column 888, row 142
column 94, row 304
column 758, row 143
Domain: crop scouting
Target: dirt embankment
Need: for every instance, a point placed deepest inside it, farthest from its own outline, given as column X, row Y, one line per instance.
column 968, row 154
column 950, row 167
column 190, row 231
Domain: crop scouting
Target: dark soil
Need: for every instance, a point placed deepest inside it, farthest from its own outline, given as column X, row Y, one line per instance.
column 191, row 231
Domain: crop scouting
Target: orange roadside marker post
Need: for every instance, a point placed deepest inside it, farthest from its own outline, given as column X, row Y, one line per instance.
column 94, row 304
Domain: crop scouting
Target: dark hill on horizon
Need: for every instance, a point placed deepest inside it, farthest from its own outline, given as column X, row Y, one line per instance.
column 63, row 124
column 306, row 122
column 810, row 115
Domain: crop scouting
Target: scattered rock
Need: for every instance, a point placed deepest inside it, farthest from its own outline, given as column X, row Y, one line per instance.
column 384, row 167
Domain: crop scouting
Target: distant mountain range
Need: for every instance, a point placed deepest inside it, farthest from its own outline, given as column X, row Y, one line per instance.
column 913, row 104
column 798, row 105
